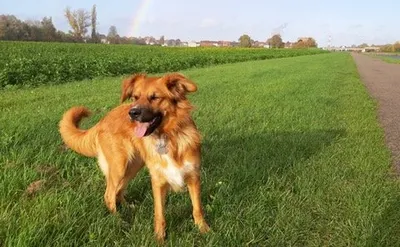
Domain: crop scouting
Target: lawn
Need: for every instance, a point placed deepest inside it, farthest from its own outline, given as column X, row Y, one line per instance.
column 293, row 155
column 388, row 57
column 391, row 59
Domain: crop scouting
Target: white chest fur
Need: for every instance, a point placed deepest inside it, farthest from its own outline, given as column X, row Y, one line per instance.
column 174, row 174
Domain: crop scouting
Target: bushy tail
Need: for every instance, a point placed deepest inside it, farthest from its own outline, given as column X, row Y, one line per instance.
column 81, row 141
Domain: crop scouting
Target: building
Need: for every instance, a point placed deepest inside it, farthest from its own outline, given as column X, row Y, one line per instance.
column 288, row 44
column 193, row 44
column 208, row 43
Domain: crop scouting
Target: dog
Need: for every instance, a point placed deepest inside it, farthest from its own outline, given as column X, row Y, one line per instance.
column 155, row 130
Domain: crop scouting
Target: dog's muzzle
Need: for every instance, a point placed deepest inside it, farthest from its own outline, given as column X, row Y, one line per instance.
column 146, row 120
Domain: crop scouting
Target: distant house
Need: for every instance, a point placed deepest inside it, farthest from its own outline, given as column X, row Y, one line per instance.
column 150, row 40
column 260, row 44
column 193, row 44
column 235, row 44
column 288, row 44
column 103, row 39
column 371, row 49
column 224, row 43
column 208, row 43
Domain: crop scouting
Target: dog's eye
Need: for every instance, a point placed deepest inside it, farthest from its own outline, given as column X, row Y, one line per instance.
column 153, row 97
column 136, row 97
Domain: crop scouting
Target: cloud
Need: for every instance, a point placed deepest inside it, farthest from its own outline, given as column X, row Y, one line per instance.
column 208, row 22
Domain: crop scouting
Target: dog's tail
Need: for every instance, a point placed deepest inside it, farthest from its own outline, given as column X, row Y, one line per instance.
column 81, row 141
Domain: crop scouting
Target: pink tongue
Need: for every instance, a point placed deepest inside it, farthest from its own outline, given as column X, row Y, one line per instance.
column 141, row 129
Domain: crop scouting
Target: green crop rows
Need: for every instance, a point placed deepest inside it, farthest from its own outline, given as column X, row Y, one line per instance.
column 25, row 63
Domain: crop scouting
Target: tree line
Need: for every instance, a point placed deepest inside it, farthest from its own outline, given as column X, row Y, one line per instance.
column 391, row 47
column 79, row 20
column 276, row 42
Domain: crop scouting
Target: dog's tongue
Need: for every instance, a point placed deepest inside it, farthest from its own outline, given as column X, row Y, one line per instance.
column 141, row 129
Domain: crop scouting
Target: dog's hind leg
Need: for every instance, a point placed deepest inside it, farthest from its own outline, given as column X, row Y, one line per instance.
column 117, row 166
column 110, row 196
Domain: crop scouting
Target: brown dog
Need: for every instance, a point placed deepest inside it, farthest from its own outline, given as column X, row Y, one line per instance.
column 156, row 130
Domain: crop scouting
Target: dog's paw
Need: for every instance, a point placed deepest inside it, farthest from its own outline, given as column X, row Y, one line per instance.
column 159, row 232
column 203, row 227
column 160, row 237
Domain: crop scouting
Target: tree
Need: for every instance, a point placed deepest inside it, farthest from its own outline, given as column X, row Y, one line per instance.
column 245, row 40
column 396, row 46
column 94, row 36
column 162, row 40
column 11, row 28
column 305, row 42
column 275, row 41
column 49, row 32
column 79, row 20
column 33, row 31
column 113, row 36
column 363, row 45
column 138, row 41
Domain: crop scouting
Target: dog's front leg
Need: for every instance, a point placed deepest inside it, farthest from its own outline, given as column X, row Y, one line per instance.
column 159, row 195
column 193, row 183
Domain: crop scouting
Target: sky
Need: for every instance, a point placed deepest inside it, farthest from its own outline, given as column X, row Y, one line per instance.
column 345, row 22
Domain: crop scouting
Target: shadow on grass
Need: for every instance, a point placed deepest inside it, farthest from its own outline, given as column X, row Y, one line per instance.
column 247, row 162
column 229, row 152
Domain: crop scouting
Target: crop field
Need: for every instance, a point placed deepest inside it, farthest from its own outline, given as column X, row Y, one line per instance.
column 292, row 155
column 24, row 63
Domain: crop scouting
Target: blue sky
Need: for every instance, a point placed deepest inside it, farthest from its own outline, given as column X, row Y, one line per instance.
column 347, row 22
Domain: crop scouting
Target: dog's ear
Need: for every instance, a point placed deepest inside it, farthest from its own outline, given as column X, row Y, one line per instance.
column 127, row 86
column 179, row 85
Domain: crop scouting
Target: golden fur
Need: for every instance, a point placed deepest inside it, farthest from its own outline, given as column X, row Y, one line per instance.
column 121, row 154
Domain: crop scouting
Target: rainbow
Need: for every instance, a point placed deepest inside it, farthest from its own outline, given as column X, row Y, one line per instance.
column 138, row 18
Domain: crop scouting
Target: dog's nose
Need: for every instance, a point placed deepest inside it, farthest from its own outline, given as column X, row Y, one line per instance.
column 135, row 112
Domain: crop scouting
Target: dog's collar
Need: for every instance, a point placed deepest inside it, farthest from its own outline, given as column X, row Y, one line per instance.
column 161, row 145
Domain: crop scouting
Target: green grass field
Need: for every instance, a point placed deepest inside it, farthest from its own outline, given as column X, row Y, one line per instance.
column 293, row 155
column 390, row 59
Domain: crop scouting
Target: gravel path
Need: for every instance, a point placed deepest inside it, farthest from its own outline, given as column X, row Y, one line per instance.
column 383, row 83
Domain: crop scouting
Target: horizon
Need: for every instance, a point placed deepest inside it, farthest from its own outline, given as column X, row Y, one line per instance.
column 345, row 23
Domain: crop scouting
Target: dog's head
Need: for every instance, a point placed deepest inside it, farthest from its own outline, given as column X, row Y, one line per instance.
column 157, row 101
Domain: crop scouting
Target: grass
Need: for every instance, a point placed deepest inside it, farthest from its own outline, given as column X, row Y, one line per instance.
column 388, row 58
column 292, row 156
column 391, row 60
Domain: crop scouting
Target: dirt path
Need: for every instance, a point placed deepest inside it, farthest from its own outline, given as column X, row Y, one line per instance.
column 383, row 83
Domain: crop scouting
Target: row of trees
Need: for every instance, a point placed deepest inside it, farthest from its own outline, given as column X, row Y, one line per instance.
column 391, row 47
column 80, row 20
column 11, row 28
column 276, row 42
